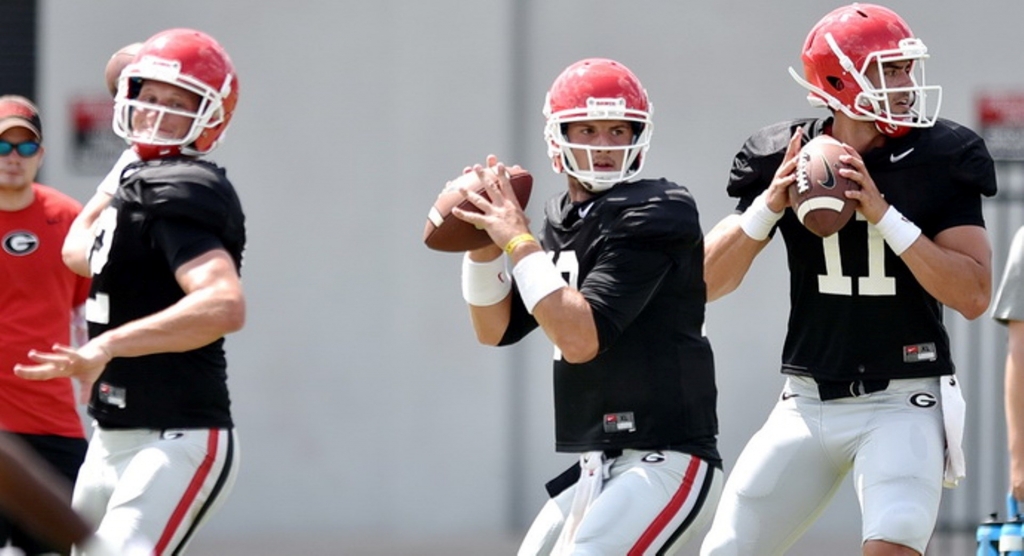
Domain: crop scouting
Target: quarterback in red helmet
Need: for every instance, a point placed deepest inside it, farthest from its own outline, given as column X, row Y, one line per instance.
column 869, row 385
column 615, row 280
column 165, row 255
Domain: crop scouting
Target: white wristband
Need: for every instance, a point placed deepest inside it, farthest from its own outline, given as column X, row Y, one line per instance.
column 758, row 220
column 536, row 278
column 897, row 231
column 484, row 284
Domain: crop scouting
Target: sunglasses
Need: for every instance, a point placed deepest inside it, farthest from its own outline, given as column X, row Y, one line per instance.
column 25, row 148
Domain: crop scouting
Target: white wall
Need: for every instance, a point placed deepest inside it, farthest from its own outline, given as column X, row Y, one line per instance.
column 363, row 403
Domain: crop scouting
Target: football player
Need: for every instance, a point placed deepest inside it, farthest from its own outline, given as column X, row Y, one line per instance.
column 1008, row 309
column 165, row 262
column 615, row 280
column 866, row 350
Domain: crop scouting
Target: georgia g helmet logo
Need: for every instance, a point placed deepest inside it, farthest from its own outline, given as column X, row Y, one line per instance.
column 20, row 243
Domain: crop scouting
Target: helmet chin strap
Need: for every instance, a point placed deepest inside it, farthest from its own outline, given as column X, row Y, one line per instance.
column 152, row 152
column 592, row 180
column 891, row 130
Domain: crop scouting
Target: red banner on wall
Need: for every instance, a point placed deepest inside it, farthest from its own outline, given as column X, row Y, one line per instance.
column 94, row 146
column 1001, row 123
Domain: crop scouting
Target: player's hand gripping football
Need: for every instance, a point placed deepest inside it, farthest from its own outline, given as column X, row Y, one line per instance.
column 777, row 196
column 871, row 203
column 85, row 363
column 501, row 216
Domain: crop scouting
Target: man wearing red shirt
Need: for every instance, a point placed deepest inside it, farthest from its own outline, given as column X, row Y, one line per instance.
column 38, row 299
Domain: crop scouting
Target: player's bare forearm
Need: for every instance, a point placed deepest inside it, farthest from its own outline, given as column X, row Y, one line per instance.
column 1014, row 403
column 198, row 319
column 728, row 254
column 213, row 306
column 78, row 241
column 490, row 322
column 956, row 268
column 567, row 319
column 195, row 321
column 564, row 315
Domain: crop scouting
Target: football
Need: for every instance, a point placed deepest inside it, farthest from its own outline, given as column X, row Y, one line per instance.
column 446, row 232
column 818, row 195
column 117, row 62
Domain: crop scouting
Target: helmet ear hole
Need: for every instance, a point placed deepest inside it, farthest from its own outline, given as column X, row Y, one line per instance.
column 835, row 82
column 134, row 86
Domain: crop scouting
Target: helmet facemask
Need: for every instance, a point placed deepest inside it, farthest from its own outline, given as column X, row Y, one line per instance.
column 560, row 148
column 208, row 115
column 191, row 61
column 875, row 102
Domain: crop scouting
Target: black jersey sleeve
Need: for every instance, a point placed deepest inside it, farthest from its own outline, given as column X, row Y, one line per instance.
column 972, row 172
column 520, row 322
column 645, row 242
column 620, row 286
column 181, row 240
column 974, row 169
column 193, row 195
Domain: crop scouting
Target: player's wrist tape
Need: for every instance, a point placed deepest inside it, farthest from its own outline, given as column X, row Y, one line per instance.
column 536, row 278
column 897, row 231
column 484, row 284
column 517, row 241
column 758, row 220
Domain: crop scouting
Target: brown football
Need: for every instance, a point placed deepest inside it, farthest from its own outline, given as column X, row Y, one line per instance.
column 819, row 194
column 117, row 63
column 446, row 232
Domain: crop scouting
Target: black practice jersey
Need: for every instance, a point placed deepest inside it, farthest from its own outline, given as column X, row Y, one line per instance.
column 856, row 311
column 164, row 214
column 636, row 253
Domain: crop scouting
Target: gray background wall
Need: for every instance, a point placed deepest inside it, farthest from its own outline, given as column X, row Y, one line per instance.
column 365, row 408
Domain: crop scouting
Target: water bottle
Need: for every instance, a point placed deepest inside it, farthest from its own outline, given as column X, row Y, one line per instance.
column 988, row 536
column 1010, row 541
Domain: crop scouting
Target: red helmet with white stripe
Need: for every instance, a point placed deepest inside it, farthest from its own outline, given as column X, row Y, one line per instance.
column 840, row 50
column 597, row 89
column 193, row 61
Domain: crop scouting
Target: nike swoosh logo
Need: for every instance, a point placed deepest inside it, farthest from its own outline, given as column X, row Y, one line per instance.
column 585, row 210
column 787, row 395
column 894, row 158
column 830, row 178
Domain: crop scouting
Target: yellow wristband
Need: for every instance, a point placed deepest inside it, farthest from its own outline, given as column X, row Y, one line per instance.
column 517, row 241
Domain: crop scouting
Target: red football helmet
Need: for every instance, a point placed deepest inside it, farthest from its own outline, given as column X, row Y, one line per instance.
column 193, row 61
column 842, row 47
column 597, row 89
